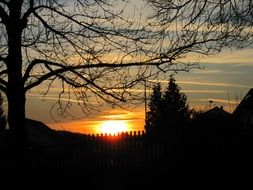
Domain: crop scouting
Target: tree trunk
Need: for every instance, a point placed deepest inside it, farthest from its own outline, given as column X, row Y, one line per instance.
column 16, row 115
column 15, row 89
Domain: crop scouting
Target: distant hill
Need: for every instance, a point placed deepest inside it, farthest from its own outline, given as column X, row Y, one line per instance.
column 40, row 134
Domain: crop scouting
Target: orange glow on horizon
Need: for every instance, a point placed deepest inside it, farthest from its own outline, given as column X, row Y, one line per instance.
column 112, row 122
column 113, row 126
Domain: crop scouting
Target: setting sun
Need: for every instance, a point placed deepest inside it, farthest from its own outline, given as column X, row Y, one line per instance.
column 113, row 126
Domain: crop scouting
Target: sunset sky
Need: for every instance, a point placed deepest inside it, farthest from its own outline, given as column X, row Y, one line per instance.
column 224, row 79
column 226, row 76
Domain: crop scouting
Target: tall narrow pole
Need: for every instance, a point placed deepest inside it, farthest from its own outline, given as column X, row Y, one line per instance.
column 145, row 98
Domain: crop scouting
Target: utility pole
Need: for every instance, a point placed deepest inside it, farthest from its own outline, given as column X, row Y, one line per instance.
column 145, row 98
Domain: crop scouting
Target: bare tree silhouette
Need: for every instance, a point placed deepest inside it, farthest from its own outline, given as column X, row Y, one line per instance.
column 91, row 47
column 2, row 123
column 204, row 26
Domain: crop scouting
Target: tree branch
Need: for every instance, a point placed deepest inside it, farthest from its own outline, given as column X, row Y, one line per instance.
column 2, row 59
column 4, row 2
column 3, row 15
column 152, row 62
column 3, row 72
column 3, row 82
column 61, row 71
column 71, row 83
column 3, row 88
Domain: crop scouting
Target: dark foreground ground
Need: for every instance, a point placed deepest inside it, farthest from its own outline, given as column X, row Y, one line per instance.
column 183, row 174
column 201, row 159
column 190, row 178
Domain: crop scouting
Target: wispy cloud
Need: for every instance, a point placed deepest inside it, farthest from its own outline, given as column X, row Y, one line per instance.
column 120, row 115
column 244, row 56
column 205, row 91
column 56, row 98
column 216, row 100
column 209, row 71
column 38, row 96
column 242, row 65
column 216, row 71
column 204, row 83
column 213, row 84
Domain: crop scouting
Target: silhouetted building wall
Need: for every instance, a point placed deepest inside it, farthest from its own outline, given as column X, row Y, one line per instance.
column 243, row 114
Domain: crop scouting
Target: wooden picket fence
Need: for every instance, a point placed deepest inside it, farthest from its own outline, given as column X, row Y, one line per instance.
column 103, row 151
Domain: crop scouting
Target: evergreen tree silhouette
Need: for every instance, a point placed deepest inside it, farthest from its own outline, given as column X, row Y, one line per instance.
column 153, row 116
column 168, row 111
column 175, row 109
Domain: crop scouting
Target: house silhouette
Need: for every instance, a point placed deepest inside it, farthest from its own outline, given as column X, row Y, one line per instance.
column 243, row 114
column 215, row 117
